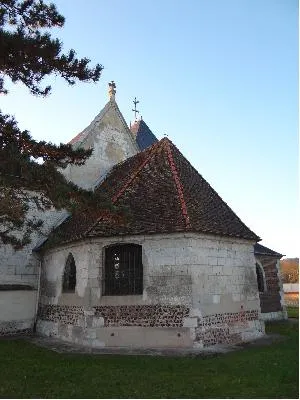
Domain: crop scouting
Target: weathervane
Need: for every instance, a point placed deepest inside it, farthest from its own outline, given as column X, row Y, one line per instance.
column 135, row 102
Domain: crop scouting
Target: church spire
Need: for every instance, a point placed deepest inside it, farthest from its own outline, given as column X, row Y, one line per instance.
column 111, row 90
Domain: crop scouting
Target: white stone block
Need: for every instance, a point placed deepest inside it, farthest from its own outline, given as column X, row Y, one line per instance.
column 216, row 298
column 94, row 273
column 96, row 292
column 251, row 335
column 212, row 261
column 98, row 322
column 189, row 322
column 236, row 297
column 97, row 343
column 89, row 312
column 206, row 299
column 87, row 342
column 221, row 261
column 198, row 345
column 195, row 312
column 180, row 270
column 90, row 333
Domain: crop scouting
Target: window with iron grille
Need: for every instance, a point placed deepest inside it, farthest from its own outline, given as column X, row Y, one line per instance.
column 123, row 270
column 69, row 279
column 260, row 278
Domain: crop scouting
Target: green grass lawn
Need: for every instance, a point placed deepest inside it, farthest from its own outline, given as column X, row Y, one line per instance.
column 27, row 371
column 293, row 312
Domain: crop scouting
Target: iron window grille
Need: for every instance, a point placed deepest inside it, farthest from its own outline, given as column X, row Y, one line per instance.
column 69, row 279
column 123, row 270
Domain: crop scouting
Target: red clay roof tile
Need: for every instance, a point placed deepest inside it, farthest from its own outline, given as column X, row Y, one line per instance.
column 163, row 194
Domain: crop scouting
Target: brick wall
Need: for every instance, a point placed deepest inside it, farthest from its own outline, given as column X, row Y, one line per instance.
column 271, row 298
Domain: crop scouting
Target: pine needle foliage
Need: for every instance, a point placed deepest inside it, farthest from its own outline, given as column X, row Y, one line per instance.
column 28, row 54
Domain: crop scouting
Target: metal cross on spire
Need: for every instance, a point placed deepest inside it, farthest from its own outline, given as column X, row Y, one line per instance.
column 135, row 102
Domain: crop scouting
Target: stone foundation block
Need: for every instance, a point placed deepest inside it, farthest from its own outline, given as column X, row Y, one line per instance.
column 216, row 298
column 87, row 342
column 96, row 293
column 97, row 343
column 89, row 312
column 247, row 336
column 77, row 333
column 198, row 345
column 90, row 334
column 98, row 322
column 190, row 322
column 275, row 316
column 195, row 312
column 47, row 328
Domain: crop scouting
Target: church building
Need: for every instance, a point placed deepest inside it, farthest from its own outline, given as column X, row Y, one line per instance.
column 169, row 264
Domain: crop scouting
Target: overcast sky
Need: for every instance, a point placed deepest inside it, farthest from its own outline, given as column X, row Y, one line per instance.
column 219, row 77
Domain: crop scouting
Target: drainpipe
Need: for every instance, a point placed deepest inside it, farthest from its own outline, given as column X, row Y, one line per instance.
column 37, row 295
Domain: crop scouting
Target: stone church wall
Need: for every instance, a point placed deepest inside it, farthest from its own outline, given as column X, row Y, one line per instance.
column 19, row 269
column 17, row 311
column 198, row 290
column 21, row 266
column 112, row 143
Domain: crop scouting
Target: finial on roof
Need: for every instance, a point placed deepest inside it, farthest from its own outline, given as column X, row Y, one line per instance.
column 111, row 90
column 135, row 102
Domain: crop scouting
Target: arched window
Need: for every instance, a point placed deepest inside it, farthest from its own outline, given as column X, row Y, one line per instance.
column 260, row 278
column 123, row 270
column 69, row 279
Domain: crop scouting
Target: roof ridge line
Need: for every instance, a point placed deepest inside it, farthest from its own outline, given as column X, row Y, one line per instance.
column 178, row 184
column 134, row 174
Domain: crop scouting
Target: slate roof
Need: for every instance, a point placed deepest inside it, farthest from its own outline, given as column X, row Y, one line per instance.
column 143, row 135
column 163, row 193
column 259, row 249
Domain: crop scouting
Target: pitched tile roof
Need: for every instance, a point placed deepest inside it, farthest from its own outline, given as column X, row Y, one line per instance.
column 259, row 249
column 143, row 135
column 163, row 193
